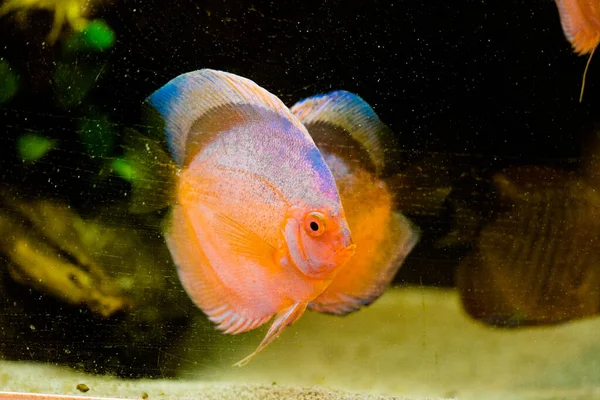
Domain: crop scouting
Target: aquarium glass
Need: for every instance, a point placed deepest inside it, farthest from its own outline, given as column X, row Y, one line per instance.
column 299, row 199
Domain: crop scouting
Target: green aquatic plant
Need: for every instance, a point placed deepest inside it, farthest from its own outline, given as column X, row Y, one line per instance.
column 74, row 12
column 9, row 82
column 124, row 169
column 33, row 147
column 75, row 75
column 97, row 36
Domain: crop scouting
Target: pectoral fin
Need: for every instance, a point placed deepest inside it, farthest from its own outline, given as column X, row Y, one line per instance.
column 243, row 240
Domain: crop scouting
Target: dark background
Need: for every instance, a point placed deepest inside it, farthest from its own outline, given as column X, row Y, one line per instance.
column 488, row 83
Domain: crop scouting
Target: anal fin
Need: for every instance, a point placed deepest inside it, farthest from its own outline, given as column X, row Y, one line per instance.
column 284, row 319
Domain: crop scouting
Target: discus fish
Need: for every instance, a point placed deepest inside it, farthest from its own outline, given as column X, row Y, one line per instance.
column 580, row 21
column 351, row 139
column 537, row 261
column 257, row 228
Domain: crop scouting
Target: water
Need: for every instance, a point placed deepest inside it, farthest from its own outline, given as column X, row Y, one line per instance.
column 90, row 293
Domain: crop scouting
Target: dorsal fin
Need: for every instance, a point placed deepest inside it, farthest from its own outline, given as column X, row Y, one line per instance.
column 351, row 113
column 190, row 96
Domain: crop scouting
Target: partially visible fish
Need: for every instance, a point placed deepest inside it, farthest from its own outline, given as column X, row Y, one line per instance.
column 257, row 228
column 352, row 138
column 580, row 20
column 538, row 260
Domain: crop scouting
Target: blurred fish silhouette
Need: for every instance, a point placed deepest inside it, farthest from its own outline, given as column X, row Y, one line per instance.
column 537, row 261
column 580, row 20
column 351, row 138
column 257, row 228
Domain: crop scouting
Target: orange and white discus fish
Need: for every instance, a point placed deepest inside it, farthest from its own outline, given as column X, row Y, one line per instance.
column 257, row 229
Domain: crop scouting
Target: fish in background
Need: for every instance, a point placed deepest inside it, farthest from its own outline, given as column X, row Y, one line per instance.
column 257, row 228
column 352, row 139
column 580, row 21
column 538, row 260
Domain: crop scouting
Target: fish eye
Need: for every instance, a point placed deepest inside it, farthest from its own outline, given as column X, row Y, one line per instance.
column 314, row 224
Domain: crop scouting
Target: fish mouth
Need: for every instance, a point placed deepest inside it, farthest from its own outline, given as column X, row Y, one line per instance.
column 338, row 259
column 350, row 249
column 344, row 255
